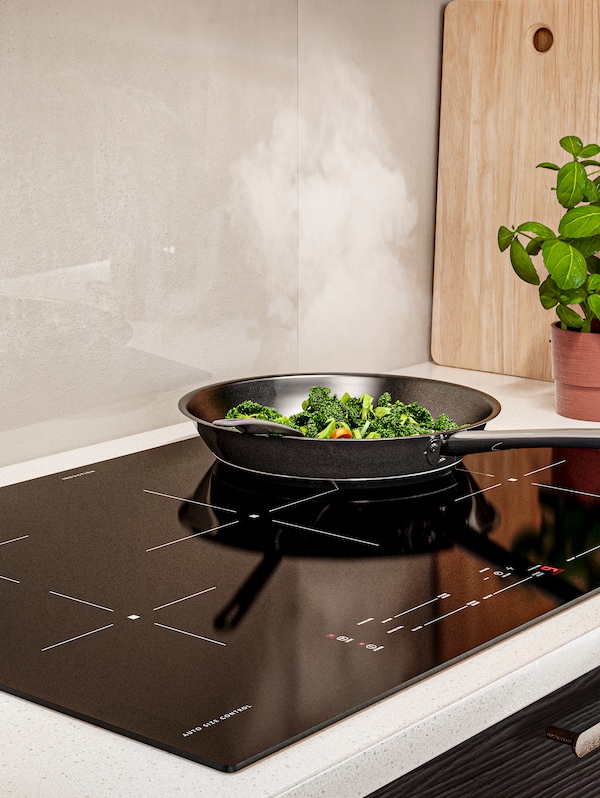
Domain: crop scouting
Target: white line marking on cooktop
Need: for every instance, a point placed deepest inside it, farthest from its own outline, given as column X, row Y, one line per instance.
column 189, row 537
column 509, row 587
column 479, row 473
column 78, row 637
column 8, row 579
column 448, row 614
column 366, row 620
column 582, row 554
column 81, row 601
column 544, row 468
column 424, row 604
column 13, row 540
column 476, row 492
column 395, row 629
column 189, row 501
column 305, row 499
column 329, row 534
column 185, row 598
column 567, row 490
column 190, row 634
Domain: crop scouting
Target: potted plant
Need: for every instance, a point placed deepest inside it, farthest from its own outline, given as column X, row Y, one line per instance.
column 572, row 285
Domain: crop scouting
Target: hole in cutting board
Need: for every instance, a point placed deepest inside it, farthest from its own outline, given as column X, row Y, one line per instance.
column 543, row 39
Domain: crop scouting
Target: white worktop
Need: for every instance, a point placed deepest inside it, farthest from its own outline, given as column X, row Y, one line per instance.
column 46, row 754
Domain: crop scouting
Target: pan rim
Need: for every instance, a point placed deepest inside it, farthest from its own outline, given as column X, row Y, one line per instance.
column 494, row 403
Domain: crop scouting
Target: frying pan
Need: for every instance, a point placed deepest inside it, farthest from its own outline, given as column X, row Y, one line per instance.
column 349, row 462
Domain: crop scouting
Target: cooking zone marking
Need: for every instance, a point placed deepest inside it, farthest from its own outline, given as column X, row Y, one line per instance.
column 170, row 543
column 130, row 617
column 4, row 543
column 13, row 540
column 544, row 468
column 188, row 501
column 78, row 637
column 85, row 634
column 329, row 534
column 191, row 537
column 288, row 524
column 191, row 634
column 301, row 501
column 535, row 572
column 183, row 631
column 81, row 601
column 566, row 490
column 185, row 598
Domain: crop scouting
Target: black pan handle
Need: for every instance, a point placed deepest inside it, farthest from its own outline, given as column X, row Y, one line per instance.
column 582, row 743
column 472, row 440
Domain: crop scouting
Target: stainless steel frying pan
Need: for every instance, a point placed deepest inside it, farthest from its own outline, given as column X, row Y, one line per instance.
column 348, row 461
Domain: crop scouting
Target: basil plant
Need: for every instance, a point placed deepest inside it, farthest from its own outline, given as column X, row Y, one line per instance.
column 570, row 257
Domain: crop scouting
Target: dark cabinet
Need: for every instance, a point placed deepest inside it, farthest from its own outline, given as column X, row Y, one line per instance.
column 515, row 758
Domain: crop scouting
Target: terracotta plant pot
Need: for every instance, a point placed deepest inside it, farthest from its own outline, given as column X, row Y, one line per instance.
column 576, row 372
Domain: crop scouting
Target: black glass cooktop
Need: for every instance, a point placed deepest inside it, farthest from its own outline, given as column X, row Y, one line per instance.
column 163, row 597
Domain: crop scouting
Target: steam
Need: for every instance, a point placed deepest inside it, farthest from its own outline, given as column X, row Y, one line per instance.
column 354, row 222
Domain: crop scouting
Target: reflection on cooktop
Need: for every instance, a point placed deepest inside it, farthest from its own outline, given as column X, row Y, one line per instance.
column 163, row 596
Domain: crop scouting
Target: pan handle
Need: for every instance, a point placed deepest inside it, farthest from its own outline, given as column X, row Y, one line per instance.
column 472, row 440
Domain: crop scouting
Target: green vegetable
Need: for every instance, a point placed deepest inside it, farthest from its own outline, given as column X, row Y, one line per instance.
column 323, row 413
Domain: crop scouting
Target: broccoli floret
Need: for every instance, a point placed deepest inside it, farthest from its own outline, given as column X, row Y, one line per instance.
column 385, row 419
column 354, row 412
column 250, row 409
column 385, row 400
column 322, row 406
column 420, row 415
column 399, row 420
column 443, row 423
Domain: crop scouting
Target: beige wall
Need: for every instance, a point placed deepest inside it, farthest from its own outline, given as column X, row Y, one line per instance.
column 197, row 190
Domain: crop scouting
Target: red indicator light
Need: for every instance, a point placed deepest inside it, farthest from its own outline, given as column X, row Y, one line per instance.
column 362, row 644
column 551, row 569
column 330, row 635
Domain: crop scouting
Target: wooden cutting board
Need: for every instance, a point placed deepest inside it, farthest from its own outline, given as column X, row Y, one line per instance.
column 506, row 101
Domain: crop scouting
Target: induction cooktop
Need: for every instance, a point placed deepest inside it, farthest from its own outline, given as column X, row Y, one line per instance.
column 168, row 598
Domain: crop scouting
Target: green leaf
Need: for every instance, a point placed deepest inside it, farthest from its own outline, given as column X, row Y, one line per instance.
column 571, row 181
column 569, row 317
column 593, row 283
column 594, row 305
column 590, row 191
column 565, row 264
column 580, row 222
column 539, row 230
column 571, row 144
column 589, row 163
column 505, row 236
column 589, row 151
column 549, row 293
column 548, row 165
column 587, row 246
column 534, row 246
column 593, row 265
column 522, row 263
column 575, row 297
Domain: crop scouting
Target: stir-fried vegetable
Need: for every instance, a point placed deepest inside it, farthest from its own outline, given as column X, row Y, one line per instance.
column 323, row 415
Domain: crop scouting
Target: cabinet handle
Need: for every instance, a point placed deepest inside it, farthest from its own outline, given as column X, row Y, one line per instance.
column 582, row 743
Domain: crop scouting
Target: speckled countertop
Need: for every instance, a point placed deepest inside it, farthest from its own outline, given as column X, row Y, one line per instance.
column 46, row 754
